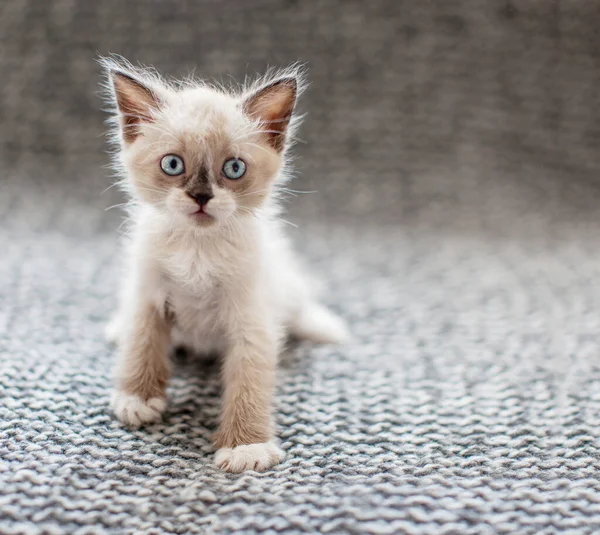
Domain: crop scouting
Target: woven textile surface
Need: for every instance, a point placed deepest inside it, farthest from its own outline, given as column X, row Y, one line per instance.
column 454, row 147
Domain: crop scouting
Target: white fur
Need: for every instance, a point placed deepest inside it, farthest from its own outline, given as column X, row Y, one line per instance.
column 202, row 277
column 256, row 457
column 134, row 411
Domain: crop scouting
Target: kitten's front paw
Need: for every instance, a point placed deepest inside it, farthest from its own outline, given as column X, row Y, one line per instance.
column 257, row 457
column 133, row 410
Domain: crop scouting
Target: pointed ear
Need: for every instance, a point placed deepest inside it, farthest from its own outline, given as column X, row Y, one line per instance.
column 273, row 105
column 135, row 101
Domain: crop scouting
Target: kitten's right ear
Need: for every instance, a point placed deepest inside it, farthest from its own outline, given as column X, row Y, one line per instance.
column 136, row 103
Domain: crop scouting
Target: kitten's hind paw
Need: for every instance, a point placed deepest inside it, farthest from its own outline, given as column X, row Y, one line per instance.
column 133, row 410
column 318, row 324
column 256, row 457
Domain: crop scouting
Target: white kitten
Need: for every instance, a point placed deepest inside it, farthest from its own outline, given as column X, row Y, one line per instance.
column 209, row 265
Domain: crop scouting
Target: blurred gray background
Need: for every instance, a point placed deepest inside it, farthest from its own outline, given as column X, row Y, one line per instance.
column 454, row 147
column 401, row 91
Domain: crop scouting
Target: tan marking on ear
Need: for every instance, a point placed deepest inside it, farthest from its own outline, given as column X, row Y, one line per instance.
column 273, row 106
column 135, row 102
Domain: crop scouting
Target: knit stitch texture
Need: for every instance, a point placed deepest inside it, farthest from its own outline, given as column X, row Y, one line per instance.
column 454, row 149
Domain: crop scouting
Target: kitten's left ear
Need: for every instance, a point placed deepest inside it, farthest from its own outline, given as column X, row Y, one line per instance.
column 136, row 103
column 273, row 106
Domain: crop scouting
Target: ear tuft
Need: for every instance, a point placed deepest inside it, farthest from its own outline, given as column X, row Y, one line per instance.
column 135, row 101
column 273, row 105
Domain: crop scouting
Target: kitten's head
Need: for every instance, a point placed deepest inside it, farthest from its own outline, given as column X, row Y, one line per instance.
column 198, row 153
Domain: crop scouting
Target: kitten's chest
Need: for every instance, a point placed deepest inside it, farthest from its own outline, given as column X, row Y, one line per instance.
column 201, row 275
column 190, row 273
column 193, row 293
column 194, row 289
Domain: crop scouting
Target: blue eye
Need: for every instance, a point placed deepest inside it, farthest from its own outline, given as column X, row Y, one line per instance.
column 234, row 168
column 172, row 165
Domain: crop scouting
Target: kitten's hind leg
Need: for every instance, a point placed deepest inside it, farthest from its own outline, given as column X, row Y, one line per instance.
column 318, row 324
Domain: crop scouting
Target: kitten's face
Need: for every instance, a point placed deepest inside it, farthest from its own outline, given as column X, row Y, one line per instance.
column 199, row 155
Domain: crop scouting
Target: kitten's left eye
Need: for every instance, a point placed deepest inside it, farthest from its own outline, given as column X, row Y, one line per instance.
column 172, row 165
column 234, row 168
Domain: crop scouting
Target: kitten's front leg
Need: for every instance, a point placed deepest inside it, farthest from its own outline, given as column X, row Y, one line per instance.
column 143, row 367
column 245, row 435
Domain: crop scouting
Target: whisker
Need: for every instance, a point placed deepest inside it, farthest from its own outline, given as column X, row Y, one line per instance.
column 125, row 221
column 265, row 132
column 239, row 196
column 111, row 186
column 248, row 211
column 128, row 203
column 242, row 136
column 151, row 190
column 256, row 132
column 286, row 221
column 287, row 190
column 256, row 145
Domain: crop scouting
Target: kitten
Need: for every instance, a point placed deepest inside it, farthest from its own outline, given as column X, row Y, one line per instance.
column 210, row 268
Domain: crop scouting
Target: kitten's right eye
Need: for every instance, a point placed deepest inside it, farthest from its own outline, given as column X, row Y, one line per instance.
column 172, row 165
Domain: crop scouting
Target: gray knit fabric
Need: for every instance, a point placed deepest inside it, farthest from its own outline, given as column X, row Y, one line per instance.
column 454, row 147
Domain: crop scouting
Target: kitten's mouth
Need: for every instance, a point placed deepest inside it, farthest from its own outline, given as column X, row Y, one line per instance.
column 200, row 216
